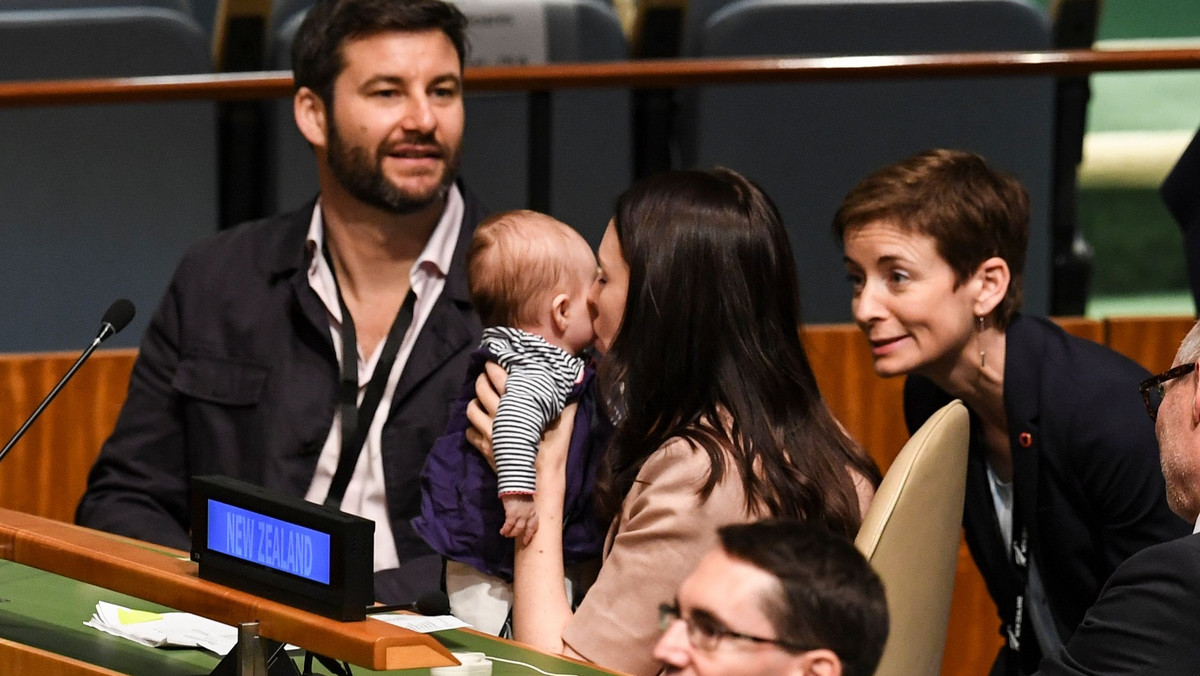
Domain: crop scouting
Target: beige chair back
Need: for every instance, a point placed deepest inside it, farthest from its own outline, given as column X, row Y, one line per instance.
column 911, row 535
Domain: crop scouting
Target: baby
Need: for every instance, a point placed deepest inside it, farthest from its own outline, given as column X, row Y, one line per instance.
column 529, row 276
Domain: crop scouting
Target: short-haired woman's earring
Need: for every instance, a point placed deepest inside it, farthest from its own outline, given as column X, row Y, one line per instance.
column 982, row 348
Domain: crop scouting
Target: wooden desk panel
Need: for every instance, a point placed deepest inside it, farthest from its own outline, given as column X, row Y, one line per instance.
column 22, row 659
column 1083, row 327
column 46, row 472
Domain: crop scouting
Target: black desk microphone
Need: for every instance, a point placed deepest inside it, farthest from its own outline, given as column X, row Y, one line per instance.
column 429, row 603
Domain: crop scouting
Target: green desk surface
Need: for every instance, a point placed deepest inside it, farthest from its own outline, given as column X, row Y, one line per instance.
column 47, row 611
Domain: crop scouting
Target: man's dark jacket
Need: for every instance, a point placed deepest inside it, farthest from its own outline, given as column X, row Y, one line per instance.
column 237, row 376
column 1145, row 621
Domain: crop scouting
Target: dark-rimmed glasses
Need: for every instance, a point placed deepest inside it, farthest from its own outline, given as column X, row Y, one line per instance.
column 1152, row 388
column 706, row 632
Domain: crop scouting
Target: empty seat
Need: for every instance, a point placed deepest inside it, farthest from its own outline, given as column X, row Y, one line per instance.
column 203, row 11
column 99, row 201
column 283, row 12
column 695, row 18
column 808, row 143
column 910, row 535
column 591, row 129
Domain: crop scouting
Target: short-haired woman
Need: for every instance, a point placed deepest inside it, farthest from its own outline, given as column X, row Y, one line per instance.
column 1063, row 479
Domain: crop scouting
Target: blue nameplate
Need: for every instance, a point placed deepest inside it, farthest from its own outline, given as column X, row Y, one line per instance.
column 267, row 541
column 282, row 548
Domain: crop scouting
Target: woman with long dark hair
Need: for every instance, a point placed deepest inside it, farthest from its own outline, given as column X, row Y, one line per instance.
column 717, row 417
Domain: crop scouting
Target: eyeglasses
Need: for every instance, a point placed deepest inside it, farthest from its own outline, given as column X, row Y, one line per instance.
column 1152, row 388
column 705, row 632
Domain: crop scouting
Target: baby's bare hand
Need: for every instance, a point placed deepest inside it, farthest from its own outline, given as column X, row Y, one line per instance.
column 520, row 517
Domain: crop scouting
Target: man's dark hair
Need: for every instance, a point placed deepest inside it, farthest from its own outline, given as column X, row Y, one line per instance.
column 829, row 595
column 330, row 24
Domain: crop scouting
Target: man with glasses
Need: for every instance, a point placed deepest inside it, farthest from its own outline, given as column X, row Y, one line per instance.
column 777, row 598
column 1147, row 619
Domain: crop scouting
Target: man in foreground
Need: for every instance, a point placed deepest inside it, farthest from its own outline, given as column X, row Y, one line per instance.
column 777, row 598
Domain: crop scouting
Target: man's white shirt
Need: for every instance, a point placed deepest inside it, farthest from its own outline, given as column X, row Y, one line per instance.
column 366, row 495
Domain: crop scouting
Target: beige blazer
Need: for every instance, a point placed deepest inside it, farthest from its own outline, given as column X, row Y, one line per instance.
column 658, row 539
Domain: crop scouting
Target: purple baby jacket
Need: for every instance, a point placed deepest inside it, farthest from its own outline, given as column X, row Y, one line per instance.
column 461, row 514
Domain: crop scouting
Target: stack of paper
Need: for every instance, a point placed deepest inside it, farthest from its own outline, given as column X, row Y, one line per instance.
column 163, row 629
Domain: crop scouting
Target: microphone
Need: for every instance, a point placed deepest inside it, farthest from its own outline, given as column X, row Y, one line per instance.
column 430, row 603
column 115, row 318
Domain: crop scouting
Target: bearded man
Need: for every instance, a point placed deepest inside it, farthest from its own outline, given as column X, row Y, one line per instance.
column 316, row 353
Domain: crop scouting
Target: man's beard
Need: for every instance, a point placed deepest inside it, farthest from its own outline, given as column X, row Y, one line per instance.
column 352, row 167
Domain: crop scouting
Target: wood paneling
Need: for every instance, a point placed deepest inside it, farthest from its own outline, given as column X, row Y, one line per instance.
column 46, row 472
column 1083, row 327
column 870, row 407
column 1150, row 341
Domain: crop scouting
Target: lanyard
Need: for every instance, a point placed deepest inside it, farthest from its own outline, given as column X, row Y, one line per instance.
column 356, row 418
column 1020, row 559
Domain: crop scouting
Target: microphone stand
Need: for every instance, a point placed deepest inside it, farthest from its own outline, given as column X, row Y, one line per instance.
column 115, row 318
column 104, row 333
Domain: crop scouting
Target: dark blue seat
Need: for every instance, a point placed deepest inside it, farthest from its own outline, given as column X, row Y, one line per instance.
column 99, row 201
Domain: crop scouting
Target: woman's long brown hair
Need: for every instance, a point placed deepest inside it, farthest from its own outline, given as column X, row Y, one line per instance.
column 709, row 350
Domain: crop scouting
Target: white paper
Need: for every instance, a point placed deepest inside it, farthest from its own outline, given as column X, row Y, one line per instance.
column 422, row 623
column 163, row 629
